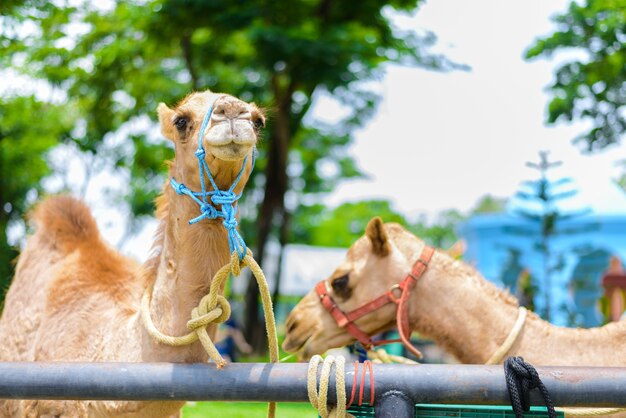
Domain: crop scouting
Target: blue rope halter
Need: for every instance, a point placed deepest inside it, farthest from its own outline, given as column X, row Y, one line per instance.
column 227, row 198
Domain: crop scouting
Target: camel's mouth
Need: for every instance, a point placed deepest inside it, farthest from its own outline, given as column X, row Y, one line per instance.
column 231, row 151
column 289, row 346
column 315, row 344
column 312, row 342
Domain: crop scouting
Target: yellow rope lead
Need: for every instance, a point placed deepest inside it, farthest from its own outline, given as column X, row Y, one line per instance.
column 510, row 339
column 381, row 356
column 589, row 412
column 214, row 308
column 319, row 398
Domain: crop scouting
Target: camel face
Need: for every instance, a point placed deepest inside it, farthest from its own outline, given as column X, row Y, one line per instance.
column 232, row 130
column 372, row 266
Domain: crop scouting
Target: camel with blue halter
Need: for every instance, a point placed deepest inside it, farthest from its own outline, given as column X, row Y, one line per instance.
column 74, row 298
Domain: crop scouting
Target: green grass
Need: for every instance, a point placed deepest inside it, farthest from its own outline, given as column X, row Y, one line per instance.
column 246, row 410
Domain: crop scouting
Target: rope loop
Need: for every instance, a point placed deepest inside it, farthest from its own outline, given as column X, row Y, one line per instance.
column 319, row 397
column 521, row 378
column 499, row 354
column 222, row 197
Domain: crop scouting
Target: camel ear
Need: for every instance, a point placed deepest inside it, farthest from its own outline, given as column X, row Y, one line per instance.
column 378, row 237
column 166, row 119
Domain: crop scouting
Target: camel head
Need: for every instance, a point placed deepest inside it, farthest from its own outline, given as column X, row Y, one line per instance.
column 230, row 136
column 374, row 263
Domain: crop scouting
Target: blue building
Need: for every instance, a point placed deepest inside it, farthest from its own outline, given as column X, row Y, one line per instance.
column 580, row 258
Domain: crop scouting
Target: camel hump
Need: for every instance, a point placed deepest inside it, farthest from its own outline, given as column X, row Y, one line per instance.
column 66, row 222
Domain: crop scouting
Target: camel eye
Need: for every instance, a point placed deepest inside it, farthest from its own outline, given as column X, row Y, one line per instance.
column 180, row 123
column 340, row 285
column 259, row 123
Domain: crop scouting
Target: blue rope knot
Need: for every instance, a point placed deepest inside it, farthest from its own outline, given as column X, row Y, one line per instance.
column 200, row 153
column 230, row 223
column 224, row 198
column 208, row 210
column 181, row 189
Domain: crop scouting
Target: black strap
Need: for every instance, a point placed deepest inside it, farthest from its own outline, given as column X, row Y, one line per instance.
column 521, row 378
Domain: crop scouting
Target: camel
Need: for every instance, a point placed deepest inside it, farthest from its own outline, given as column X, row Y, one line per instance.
column 451, row 303
column 74, row 298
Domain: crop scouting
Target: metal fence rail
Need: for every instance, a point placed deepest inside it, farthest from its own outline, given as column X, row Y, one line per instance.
column 451, row 384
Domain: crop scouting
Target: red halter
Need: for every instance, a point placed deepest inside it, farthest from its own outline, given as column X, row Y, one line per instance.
column 346, row 319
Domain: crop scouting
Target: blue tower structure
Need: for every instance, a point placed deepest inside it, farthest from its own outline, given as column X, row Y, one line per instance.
column 582, row 257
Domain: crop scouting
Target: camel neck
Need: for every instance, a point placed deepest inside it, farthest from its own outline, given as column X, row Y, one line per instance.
column 183, row 267
column 470, row 318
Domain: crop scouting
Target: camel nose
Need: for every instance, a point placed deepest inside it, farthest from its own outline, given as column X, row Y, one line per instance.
column 228, row 107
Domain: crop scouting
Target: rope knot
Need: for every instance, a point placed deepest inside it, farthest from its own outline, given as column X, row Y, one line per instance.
column 200, row 153
column 208, row 210
column 180, row 189
column 204, row 314
column 230, row 223
column 521, row 378
column 236, row 264
column 224, row 198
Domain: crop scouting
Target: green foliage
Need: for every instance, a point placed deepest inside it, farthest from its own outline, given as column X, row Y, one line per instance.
column 247, row 410
column 441, row 232
column 590, row 88
column 29, row 128
column 342, row 226
column 489, row 204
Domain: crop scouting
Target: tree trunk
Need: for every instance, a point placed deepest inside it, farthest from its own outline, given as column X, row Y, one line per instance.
column 283, row 236
column 273, row 206
column 186, row 47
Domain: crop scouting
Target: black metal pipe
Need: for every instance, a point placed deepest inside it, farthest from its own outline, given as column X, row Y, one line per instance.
column 394, row 404
column 453, row 384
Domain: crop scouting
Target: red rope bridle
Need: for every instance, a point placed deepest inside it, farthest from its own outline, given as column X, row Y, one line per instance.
column 346, row 319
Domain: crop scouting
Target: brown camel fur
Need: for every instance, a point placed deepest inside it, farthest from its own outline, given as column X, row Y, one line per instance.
column 451, row 303
column 74, row 298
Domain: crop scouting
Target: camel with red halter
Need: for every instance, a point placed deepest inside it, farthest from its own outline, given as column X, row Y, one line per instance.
column 74, row 298
column 445, row 299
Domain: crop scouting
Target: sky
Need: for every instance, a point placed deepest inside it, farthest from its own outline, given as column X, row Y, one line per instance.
column 444, row 140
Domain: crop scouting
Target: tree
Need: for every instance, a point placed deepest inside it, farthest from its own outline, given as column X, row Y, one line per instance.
column 541, row 210
column 440, row 232
column 342, row 226
column 489, row 204
column 114, row 64
column 590, row 88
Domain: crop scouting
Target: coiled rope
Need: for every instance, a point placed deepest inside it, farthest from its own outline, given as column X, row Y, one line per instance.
column 381, row 356
column 318, row 396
